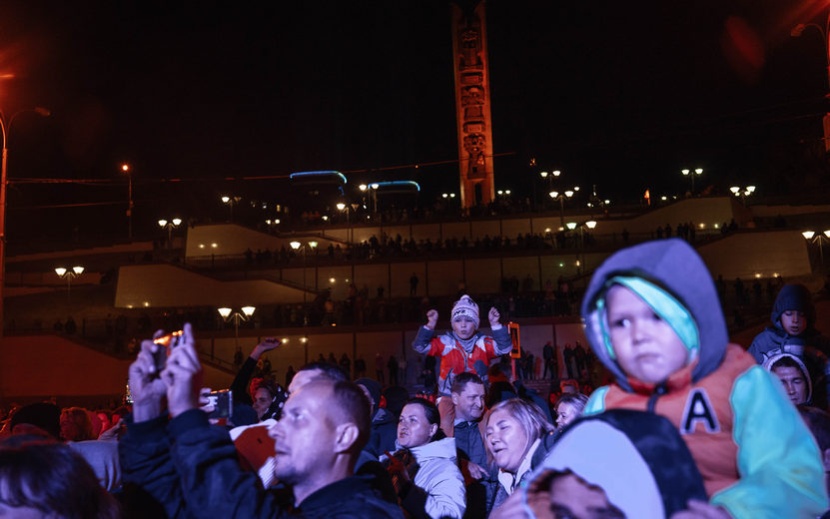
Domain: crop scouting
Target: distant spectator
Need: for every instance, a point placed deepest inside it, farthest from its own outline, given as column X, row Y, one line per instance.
column 76, row 425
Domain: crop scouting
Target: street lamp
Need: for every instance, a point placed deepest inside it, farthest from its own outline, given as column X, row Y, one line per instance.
column 692, row 174
column 297, row 247
column 373, row 194
column 125, row 168
column 817, row 237
column 5, row 127
column 272, row 223
column 548, row 178
column 172, row 224
column 69, row 275
column 556, row 195
column 228, row 314
column 344, row 208
column 742, row 192
column 796, row 32
column 231, row 201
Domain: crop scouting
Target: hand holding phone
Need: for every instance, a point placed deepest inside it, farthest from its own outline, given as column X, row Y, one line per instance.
column 165, row 343
column 221, row 402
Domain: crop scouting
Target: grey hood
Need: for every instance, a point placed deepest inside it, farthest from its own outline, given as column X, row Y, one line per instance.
column 675, row 267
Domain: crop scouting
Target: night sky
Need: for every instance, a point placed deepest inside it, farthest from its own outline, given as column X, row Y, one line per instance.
column 618, row 94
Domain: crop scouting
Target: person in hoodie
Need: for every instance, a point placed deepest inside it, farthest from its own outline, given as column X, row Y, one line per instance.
column 793, row 376
column 464, row 349
column 424, row 469
column 793, row 331
column 654, row 320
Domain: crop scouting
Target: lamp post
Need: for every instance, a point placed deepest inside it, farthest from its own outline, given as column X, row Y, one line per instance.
column 692, row 174
column 272, row 223
column 297, row 246
column 548, row 176
column 796, row 32
column 125, row 168
column 231, row 201
column 556, row 195
column 228, row 314
column 372, row 189
column 742, row 192
column 812, row 236
column 344, row 208
column 170, row 225
column 69, row 275
column 5, row 126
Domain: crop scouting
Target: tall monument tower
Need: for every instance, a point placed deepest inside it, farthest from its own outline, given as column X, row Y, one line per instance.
column 472, row 102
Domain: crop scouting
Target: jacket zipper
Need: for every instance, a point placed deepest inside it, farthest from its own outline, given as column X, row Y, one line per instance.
column 659, row 391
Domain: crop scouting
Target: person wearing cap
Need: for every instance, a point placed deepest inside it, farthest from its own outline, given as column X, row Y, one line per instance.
column 653, row 318
column 793, row 331
column 464, row 349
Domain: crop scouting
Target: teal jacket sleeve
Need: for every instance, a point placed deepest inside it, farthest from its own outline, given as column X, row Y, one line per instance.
column 596, row 402
column 778, row 460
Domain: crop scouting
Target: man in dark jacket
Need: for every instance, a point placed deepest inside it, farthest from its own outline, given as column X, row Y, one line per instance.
column 479, row 472
column 192, row 469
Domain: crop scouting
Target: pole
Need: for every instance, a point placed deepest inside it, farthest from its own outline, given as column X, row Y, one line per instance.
column 130, row 205
column 236, row 328
column 5, row 125
column 3, row 186
column 562, row 210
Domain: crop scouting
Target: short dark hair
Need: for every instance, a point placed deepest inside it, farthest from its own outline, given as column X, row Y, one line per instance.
column 351, row 404
column 53, row 479
column 787, row 361
column 330, row 371
column 271, row 386
column 432, row 414
column 461, row 381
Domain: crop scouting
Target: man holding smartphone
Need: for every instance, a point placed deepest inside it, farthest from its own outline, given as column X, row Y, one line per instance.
column 325, row 425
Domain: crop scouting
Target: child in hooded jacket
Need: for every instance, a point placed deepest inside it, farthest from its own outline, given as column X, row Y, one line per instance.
column 654, row 320
column 464, row 349
column 793, row 331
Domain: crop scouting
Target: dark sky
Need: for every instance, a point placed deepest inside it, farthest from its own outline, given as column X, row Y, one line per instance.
column 618, row 94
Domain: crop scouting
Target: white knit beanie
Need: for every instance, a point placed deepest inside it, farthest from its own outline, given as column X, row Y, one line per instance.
column 465, row 307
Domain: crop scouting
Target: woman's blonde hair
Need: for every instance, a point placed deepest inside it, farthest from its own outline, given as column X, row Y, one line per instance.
column 531, row 418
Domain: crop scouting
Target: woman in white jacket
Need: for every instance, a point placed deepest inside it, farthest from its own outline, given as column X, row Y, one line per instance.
column 424, row 468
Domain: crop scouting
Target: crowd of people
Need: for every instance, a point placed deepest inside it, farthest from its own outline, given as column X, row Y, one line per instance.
column 686, row 426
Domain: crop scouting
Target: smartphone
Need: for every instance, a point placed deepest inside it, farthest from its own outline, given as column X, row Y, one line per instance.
column 222, row 402
column 169, row 341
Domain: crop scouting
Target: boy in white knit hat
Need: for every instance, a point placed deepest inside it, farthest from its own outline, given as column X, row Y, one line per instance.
column 463, row 349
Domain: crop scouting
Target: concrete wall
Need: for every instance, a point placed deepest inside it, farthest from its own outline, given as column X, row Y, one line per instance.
column 749, row 255
column 51, row 366
column 169, row 286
